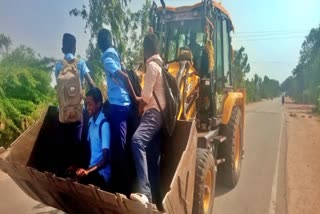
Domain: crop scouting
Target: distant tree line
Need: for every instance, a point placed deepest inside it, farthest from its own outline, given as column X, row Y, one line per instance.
column 257, row 88
column 304, row 84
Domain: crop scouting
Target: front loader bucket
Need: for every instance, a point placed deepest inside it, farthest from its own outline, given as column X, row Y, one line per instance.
column 34, row 159
column 178, row 167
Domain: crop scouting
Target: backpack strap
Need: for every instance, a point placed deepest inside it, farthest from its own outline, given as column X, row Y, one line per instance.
column 160, row 63
column 116, row 58
column 64, row 62
column 158, row 103
column 100, row 126
column 73, row 62
column 76, row 61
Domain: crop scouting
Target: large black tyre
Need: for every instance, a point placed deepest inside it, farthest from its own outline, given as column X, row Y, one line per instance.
column 204, row 185
column 231, row 150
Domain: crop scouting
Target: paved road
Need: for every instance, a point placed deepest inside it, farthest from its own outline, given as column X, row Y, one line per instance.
column 14, row 201
column 261, row 188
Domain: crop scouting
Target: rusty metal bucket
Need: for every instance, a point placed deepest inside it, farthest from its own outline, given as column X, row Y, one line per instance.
column 32, row 159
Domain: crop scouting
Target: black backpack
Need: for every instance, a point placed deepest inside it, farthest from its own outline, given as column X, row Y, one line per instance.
column 133, row 77
column 134, row 118
column 172, row 95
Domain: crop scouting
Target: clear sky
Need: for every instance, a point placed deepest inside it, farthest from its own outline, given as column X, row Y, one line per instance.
column 271, row 31
column 40, row 24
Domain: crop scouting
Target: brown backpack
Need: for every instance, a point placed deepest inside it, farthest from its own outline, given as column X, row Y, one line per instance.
column 69, row 92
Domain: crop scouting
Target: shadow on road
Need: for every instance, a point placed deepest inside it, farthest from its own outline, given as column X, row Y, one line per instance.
column 221, row 190
column 43, row 209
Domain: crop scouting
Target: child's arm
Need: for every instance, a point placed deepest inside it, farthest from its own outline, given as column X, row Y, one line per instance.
column 111, row 67
column 105, row 141
column 89, row 80
column 105, row 160
column 85, row 72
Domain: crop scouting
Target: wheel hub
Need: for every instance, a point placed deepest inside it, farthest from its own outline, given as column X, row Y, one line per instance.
column 207, row 191
column 237, row 152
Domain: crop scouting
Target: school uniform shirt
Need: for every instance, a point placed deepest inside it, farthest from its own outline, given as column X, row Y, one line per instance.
column 153, row 83
column 117, row 94
column 82, row 67
column 97, row 144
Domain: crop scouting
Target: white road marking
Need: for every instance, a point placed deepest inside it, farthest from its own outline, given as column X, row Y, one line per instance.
column 273, row 200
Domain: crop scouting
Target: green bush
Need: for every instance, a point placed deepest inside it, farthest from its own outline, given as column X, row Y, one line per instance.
column 24, row 89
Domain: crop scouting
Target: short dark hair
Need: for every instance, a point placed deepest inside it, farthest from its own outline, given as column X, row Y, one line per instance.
column 68, row 43
column 104, row 39
column 96, row 94
column 150, row 44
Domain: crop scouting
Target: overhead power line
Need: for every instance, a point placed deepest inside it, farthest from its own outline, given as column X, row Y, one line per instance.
column 271, row 38
column 268, row 34
column 271, row 31
column 272, row 61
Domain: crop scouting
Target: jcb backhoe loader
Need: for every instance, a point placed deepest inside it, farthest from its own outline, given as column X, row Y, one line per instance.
column 207, row 141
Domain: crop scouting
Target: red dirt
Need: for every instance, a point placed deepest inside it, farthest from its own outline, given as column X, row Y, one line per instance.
column 303, row 162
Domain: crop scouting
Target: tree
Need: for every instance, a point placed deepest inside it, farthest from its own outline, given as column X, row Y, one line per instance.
column 106, row 13
column 258, row 89
column 240, row 67
column 139, row 27
column 269, row 88
column 128, row 29
column 303, row 86
column 5, row 42
column 24, row 90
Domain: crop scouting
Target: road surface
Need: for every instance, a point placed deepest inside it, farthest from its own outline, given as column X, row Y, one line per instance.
column 262, row 184
column 261, row 188
column 14, row 201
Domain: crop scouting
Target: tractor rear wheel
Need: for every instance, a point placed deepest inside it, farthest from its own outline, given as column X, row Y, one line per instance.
column 205, row 180
column 231, row 150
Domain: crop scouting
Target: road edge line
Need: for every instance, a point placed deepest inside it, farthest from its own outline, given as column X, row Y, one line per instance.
column 273, row 199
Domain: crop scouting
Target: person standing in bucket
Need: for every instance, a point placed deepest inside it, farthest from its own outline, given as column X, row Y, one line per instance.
column 145, row 142
column 98, row 172
column 70, row 73
column 119, row 92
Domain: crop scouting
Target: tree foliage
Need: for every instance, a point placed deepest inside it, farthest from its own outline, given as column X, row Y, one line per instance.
column 5, row 43
column 261, row 89
column 240, row 67
column 257, row 88
column 24, row 89
column 128, row 29
column 303, row 85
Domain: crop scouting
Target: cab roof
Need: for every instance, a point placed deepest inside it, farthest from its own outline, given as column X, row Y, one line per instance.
column 198, row 5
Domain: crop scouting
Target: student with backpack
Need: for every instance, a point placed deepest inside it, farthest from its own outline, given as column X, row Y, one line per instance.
column 99, row 171
column 70, row 73
column 121, row 94
column 145, row 141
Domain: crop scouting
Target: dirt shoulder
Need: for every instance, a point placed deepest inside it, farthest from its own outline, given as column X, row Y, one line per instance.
column 303, row 159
